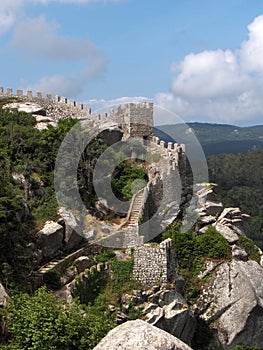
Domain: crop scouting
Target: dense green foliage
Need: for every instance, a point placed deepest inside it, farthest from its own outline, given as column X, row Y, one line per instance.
column 86, row 167
column 44, row 322
column 27, row 198
column 87, row 290
column 129, row 179
column 190, row 252
column 191, row 249
column 105, row 255
column 240, row 185
column 52, row 279
column 102, row 288
column 249, row 247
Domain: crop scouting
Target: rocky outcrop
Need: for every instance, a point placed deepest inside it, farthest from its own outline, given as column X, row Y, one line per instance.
column 207, row 204
column 50, row 239
column 82, row 263
column 165, row 309
column 42, row 121
column 3, row 296
column 170, row 312
column 229, row 222
column 239, row 253
column 139, row 335
column 232, row 303
column 27, row 107
column 234, row 220
column 72, row 238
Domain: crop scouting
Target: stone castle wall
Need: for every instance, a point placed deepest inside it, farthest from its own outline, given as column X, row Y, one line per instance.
column 154, row 263
column 61, row 108
column 136, row 119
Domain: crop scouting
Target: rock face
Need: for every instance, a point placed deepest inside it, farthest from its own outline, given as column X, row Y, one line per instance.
column 82, row 263
column 229, row 222
column 170, row 312
column 71, row 237
column 139, row 335
column 3, row 296
column 164, row 308
column 50, row 239
column 27, row 107
column 232, row 302
column 235, row 220
column 37, row 111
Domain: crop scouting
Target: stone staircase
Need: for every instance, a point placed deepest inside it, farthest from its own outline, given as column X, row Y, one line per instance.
column 57, row 264
column 135, row 210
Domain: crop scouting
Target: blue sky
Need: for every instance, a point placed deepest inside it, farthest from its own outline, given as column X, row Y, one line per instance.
column 202, row 60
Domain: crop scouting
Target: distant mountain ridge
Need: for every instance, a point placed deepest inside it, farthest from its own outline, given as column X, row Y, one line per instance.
column 216, row 138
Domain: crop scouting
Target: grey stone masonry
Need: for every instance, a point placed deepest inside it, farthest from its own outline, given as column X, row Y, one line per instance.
column 154, row 263
column 138, row 120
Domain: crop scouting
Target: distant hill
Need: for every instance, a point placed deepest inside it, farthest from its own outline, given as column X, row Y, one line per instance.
column 215, row 138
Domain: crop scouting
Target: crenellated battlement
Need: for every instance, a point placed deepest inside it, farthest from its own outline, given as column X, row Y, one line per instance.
column 56, row 108
column 28, row 96
column 60, row 107
column 134, row 119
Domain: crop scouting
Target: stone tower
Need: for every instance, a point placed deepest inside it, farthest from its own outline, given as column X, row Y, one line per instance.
column 138, row 120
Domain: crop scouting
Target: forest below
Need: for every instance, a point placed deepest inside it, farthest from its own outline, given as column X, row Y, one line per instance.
column 240, row 180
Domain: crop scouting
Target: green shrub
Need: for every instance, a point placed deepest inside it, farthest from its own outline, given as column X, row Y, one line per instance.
column 212, row 244
column 191, row 249
column 52, row 279
column 47, row 323
column 87, row 290
column 122, row 269
column 249, row 247
column 190, row 252
column 106, row 255
column 129, row 179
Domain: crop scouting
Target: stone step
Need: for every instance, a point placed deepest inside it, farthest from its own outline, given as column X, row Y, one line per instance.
column 136, row 212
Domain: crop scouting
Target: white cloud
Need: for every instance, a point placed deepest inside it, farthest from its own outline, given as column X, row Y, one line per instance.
column 102, row 105
column 9, row 11
column 209, row 74
column 46, row 44
column 252, row 49
column 220, row 86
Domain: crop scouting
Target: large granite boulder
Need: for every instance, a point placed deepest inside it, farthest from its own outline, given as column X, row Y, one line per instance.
column 170, row 312
column 232, row 303
column 235, row 220
column 139, row 335
column 230, row 235
column 27, row 107
column 82, row 263
column 50, row 239
column 72, row 238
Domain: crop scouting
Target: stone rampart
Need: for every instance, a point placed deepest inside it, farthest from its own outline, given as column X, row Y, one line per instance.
column 154, row 263
column 62, row 107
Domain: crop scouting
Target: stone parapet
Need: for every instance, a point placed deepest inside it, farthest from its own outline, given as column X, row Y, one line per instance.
column 154, row 263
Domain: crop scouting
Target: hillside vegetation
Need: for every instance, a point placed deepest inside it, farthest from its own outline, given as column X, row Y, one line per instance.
column 240, row 180
column 215, row 138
